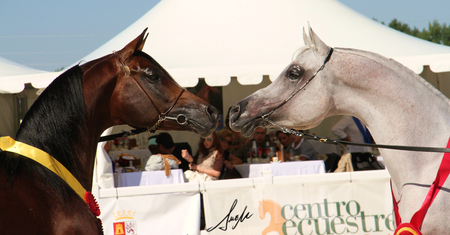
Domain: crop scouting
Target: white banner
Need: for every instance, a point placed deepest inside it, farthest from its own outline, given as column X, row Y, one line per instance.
column 177, row 213
column 338, row 203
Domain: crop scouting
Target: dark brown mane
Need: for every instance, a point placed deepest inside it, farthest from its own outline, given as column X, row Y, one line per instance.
column 53, row 125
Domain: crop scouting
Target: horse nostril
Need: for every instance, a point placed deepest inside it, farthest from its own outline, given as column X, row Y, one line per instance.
column 235, row 113
column 213, row 113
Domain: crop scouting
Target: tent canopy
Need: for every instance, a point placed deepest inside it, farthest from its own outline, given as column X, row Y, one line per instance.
column 217, row 40
column 14, row 76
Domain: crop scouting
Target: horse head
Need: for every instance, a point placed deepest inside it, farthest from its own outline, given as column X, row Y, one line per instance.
column 294, row 92
column 143, row 93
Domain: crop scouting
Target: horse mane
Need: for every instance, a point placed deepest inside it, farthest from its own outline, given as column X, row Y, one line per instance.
column 53, row 124
column 396, row 66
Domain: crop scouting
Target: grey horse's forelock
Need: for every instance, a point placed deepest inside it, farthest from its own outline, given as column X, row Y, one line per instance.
column 300, row 51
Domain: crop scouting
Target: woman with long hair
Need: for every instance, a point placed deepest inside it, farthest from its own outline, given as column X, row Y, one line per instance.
column 207, row 163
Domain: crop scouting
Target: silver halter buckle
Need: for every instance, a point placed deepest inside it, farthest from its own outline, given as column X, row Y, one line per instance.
column 181, row 119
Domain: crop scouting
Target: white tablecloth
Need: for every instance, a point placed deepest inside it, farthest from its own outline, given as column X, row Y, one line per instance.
column 144, row 178
column 284, row 168
column 143, row 154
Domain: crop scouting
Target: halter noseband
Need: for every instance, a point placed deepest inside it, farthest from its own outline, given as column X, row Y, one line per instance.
column 266, row 117
column 181, row 119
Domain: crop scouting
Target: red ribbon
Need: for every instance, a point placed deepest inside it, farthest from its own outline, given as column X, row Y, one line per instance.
column 416, row 221
column 407, row 229
column 92, row 203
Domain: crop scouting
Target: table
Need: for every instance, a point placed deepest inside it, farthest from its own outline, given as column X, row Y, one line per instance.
column 283, row 168
column 144, row 178
column 143, row 154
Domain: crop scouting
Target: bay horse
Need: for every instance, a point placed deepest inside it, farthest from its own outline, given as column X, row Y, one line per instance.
column 398, row 106
column 66, row 121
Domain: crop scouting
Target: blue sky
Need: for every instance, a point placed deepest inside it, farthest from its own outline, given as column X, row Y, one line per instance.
column 50, row 34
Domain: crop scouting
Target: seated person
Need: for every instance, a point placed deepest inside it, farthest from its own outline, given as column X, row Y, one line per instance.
column 259, row 136
column 238, row 141
column 207, row 163
column 152, row 145
column 284, row 138
column 301, row 147
column 167, row 146
column 228, row 171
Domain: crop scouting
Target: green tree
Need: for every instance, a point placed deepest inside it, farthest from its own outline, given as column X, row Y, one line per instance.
column 436, row 32
column 395, row 24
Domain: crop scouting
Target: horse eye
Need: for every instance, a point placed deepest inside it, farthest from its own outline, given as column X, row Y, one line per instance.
column 295, row 72
column 151, row 75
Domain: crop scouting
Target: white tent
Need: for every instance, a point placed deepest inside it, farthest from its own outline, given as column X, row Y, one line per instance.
column 14, row 76
column 247, row 39
column 217, row 40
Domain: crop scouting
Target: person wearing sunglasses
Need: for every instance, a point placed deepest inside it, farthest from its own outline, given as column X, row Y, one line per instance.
column 228, row 171
column 207, row 164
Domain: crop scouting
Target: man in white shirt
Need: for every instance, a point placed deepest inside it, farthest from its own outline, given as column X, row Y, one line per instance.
column 351, row 129
column 347, row 130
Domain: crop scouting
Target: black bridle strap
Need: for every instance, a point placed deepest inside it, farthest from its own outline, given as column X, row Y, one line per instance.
column 173, row 105
column 162, row 116
column 122, row 134
column 128, row 72
column 267, row 115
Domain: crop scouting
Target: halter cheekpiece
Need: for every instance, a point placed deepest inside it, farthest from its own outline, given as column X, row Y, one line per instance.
column 181, row 119
column 266, row 117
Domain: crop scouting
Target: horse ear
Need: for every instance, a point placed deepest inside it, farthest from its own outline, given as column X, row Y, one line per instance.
column 321, row 47
column 139, row 41
column 136, row 45
column 306, row 39
column 140, row 46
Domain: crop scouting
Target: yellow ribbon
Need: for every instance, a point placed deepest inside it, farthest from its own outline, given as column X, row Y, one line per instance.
column 406, row 229
column 10, row 145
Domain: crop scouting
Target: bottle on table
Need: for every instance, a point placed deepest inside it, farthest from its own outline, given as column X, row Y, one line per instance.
column 254, row 153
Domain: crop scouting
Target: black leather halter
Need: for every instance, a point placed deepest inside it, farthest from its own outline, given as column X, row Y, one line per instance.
column 181, row 119
column 266, row 117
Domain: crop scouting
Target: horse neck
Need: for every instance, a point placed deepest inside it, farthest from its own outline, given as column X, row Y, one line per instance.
column 57, row 124
column 398, row 106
